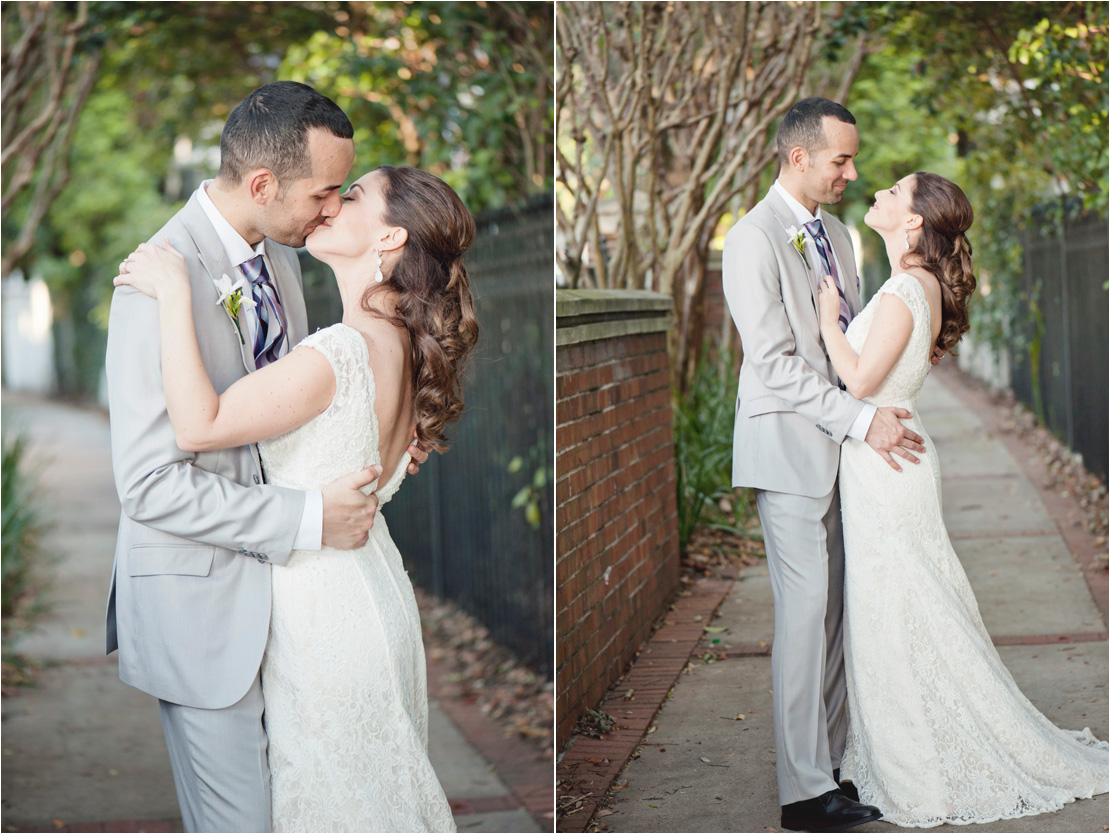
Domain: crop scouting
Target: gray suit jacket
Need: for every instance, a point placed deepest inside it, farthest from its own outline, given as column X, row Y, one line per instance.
column 791, row 416
column 189, row 604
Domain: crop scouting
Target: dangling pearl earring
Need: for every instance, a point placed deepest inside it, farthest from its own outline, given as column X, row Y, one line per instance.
column 378, row 273
column 907, row 242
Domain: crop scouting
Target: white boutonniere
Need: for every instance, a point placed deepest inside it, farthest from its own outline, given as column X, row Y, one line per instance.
column 798, row 241
column 233, row 300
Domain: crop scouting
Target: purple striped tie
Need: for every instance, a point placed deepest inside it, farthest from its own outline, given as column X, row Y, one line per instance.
column 824, row 248
column 270, row 333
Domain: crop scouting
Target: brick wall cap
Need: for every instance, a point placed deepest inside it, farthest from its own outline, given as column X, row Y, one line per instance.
column 571, row 303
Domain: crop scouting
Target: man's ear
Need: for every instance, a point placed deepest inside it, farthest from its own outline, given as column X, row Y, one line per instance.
column 799, row 158
column 262, row 185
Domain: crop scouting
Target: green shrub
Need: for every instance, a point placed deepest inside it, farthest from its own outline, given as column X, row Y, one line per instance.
column 703, row 425
column 20, row 551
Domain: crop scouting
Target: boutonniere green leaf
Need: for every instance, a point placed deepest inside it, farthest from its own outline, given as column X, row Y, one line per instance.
column 798, row 241
column 233, row 299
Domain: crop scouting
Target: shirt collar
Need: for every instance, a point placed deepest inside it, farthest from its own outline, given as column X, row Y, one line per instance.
column 800, row 212
column 237, row 249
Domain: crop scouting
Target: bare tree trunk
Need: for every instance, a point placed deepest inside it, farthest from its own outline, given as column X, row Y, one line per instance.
column 665, row 114
column 49, row 70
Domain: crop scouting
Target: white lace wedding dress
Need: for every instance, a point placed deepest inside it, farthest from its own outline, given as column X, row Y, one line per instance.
column 344, row 674
column 938, row 730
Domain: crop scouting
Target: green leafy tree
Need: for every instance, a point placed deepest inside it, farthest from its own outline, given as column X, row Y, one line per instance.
column 463, row 90
column 459, row 89
column 1007, row 99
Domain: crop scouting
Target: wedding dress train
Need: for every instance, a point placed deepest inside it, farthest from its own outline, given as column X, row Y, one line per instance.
column 938, row 730
column 344, row 674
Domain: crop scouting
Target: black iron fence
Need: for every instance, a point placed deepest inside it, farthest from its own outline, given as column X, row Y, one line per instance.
column 1061, row 372
column 475, row 526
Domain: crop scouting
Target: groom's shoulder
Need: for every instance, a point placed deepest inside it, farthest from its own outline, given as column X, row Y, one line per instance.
column 176, row 228
column 753, row 225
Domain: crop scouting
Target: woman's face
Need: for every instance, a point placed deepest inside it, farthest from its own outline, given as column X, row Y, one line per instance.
column 358, row 228
column 892, row 209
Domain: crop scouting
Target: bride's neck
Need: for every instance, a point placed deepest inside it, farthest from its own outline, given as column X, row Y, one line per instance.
column 353, row 288
column 895, row 249
column 353, row 281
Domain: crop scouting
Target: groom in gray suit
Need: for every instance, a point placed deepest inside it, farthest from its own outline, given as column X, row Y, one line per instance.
column 189, row 605
column 791, row 417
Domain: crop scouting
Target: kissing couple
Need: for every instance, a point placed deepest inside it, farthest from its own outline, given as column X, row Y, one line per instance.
column 256, row 591
column 889, row 698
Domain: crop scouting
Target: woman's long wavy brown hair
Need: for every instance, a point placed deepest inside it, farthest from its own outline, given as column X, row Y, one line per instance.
column 433, row 293
column 944, row 250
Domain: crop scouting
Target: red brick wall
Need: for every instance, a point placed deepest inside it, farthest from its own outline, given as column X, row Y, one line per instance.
column 617, row 542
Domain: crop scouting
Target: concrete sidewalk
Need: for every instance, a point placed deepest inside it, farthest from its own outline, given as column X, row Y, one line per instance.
column 84, row 752
column 700, row 768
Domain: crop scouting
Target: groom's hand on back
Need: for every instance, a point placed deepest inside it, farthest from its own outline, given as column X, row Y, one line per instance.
column 888, row 436
column 348, row 513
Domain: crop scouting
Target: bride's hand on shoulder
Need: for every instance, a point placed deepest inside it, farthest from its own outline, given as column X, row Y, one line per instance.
column 828, row 304
column 157, row 271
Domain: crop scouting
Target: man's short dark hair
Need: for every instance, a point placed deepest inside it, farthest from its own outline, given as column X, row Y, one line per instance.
column 269, row 129
column 801, row 126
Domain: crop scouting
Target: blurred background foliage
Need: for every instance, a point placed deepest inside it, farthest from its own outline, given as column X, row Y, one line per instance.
column 459, row 89
column 1008, row 100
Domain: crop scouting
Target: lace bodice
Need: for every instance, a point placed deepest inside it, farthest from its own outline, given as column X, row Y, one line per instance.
column 345, row 437
column 905, row 379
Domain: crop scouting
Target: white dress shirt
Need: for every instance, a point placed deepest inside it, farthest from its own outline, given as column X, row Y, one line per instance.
column 801, row 214
column 310, row 533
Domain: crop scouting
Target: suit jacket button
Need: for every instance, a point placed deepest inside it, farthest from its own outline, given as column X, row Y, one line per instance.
column 257, row 480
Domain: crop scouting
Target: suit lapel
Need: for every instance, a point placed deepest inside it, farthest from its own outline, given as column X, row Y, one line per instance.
column 785, row 218
column 213, row 257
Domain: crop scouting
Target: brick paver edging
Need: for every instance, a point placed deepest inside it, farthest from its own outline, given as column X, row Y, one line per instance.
column 113, row 826
column 524, row 771
column 595, row 763
column 1080, row 542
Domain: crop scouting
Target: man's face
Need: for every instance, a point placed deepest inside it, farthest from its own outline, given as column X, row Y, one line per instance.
column 827, row 172
column 304, row 204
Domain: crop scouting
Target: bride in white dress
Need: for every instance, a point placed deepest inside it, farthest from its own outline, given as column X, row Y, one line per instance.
column 938, row 730
column 344, row 672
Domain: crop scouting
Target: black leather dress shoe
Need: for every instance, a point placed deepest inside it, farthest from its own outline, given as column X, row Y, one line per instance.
column 831, row 811
column 846, row 788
